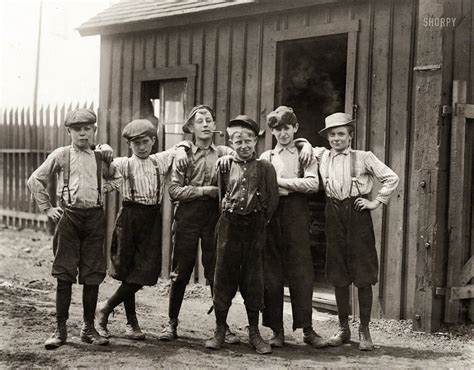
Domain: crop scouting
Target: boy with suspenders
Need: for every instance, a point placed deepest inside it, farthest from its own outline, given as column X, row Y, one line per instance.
column 351, row 256
column 136, row 240
column 288, row 250
column 78, row 243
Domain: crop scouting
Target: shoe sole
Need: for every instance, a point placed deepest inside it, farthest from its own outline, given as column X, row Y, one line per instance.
column 135, row 338
column 235, row 341
column 167, row 339
column 260, row 352
column 53, row 346
column 339, row 344
column 277, row 345
column 91, row 341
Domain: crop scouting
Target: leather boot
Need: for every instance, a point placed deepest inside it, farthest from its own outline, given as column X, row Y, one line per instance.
column 58, row 338
column 219, row 337
column 230, row 337
column 170, row 332
column 342, row 336
column 256, row 341
column 365, row 339
column 133, row 331
column 102, row 314
column 313, row 338
column 278, row 338
column 90, row 335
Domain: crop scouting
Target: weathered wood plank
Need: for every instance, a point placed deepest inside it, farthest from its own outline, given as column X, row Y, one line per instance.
column 209, row 72
column 127, row 91
column 185, row 46
column 465, row 292
column 223, row 77
column 252, row 78
column 103, row 113
column 162, row 49
column 239, row 62
column 173, row 48
column 467, row 272
column 198, row 55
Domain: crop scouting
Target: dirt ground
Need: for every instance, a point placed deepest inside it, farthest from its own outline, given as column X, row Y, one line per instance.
column 27, row 319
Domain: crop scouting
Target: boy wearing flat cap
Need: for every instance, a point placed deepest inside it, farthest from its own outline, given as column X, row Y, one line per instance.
column 196, row 193
column 251, row 197
column 78, row 243
column 288, row 251
column 136, row 240
column 351, row 256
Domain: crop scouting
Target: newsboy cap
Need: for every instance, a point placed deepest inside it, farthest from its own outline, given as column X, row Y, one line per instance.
column 336, row 120
column 281, row 116
column 80, row 116
column 138, row 128
column 246, row 121
column 193, row 112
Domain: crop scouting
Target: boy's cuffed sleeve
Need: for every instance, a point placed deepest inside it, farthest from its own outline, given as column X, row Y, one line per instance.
column 113, row 178
column 307, row 184
column 384, row 174
column 180, row 192
column 39, row 179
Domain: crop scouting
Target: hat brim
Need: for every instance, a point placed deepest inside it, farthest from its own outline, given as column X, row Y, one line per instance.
column 234, row 121
column 78, row 123
column 324, row 131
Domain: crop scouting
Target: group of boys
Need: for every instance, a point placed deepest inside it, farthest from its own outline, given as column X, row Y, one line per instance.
column 250, row 214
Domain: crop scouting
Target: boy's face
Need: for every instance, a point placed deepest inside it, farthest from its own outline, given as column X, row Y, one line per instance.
column 82, row 135
column 285, row 134
column 142, row 146
column 243, row 142
column 339, row 138
column 203, row 125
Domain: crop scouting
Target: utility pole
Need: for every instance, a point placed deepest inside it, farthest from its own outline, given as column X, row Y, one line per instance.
column 38, row 52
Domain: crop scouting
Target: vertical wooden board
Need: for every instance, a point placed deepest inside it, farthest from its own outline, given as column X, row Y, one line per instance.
column 16, row 183
column 198, row 55
column 239, row 62
column 127, row 91
column 363, row 12
column 150, row 50
column 162, row 48
column 224, row 67
column 173, row 48
column 252, row 78
column 103, row 116
column 266, row 73
column 340, row 12
column 395, row 230
column 21, row 166
column 318, row 15
column 138, row 64
column 210, row 66
column 185, row 46
column 379, row 90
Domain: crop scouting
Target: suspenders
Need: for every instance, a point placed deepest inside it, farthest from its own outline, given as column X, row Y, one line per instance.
column 132, row 183
column 354, row 182
column 67, row 172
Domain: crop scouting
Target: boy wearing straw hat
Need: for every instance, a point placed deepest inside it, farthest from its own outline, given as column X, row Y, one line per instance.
column 351, row 257
column 78, row 243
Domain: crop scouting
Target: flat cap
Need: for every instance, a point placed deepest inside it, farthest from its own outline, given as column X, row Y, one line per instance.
column 193, row 112
column 138, row 128
column 281, row 116
column 246, row 121
column 80, row 116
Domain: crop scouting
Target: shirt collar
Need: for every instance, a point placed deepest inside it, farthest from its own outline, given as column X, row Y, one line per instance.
column 195, row 148
column 344, row 152
column 251, row 159
column 291, row 148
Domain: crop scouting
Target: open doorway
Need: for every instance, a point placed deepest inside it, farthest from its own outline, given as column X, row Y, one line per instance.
column 311, row 78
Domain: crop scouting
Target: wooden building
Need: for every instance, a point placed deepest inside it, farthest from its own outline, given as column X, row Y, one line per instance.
column 399, row 67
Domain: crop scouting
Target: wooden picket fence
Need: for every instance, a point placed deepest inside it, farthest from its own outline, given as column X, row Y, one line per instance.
column 26, row 139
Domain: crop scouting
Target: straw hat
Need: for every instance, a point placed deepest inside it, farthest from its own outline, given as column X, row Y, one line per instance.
column 336, row 120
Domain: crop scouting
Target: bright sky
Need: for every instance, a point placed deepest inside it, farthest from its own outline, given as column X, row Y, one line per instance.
column 69, row 63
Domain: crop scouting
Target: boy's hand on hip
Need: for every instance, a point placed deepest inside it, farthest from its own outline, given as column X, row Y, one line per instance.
column 182, row 160
column 306, row 154
column 54, row 213
column 211, row 191
column 362, row 203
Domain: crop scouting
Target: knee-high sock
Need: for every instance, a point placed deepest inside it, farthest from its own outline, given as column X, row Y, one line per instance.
column 176, row 299
column 63, row 300
column 124, row 291
column 89, row 301
column 342, row 301
column 221, row 317
column 365, row 304
column 129, row 304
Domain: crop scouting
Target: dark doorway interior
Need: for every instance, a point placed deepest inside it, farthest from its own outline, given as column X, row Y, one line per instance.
column 311, row 78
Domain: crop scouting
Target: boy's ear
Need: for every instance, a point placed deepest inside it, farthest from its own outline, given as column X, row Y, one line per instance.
column 297, row 126
column 153, row 139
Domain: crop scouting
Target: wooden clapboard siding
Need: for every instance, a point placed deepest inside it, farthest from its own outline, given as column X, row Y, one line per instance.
column 234, row 77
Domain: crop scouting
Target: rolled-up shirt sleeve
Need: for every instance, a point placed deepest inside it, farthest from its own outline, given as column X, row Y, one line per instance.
column 39, row 179
column 113, row 178
column 387, row 177
column 307, row 184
